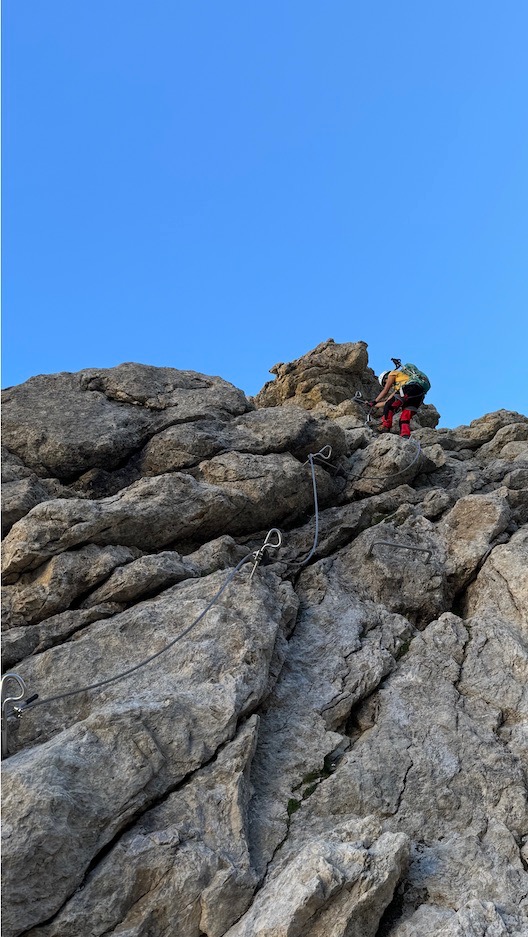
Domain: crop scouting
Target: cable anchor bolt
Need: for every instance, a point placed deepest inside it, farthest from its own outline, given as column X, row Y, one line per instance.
column 18, row 711
column 324, row 453
column 11, row 683
column 399, row 546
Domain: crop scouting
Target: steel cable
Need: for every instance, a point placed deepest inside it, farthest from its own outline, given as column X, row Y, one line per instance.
column 147, row 660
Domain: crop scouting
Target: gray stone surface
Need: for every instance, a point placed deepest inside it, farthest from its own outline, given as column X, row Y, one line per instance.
column 332, row 744
column 334, row 886
column 20, row 642
column 501, row 586
column 57, row 583
column 63, row 424
column 133, row 740
column 186, row 858
column 234, row 493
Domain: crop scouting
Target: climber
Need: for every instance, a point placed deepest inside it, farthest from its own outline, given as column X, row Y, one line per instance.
column 405, row 388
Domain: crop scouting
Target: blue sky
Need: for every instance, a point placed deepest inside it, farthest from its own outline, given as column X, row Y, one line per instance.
column 219, row 186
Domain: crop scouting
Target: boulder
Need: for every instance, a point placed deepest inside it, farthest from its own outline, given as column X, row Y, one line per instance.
column 321, row 379
column 63, row 424
column 387, row 462
column 469, row 529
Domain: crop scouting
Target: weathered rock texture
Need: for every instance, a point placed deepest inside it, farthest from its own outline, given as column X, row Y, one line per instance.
column 336, row 746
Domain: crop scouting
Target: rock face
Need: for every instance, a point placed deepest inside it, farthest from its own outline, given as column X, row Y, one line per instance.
column 330, row 744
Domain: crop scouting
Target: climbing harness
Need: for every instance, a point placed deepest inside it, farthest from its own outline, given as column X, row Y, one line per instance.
column 34, row 701
column 398, row 546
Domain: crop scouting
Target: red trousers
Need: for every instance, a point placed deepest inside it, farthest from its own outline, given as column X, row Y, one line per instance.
column 393, row 404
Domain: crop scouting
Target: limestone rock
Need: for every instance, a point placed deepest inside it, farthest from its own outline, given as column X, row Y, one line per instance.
column 136, row 738
column 333, row 887
column 341, row 648
column 329, row 742
column 432, row 765
column 476, row 919
column 182, row 446
column 235, row 493
column 18, row 497
column 401, row 566
column 194, row 843
column 56, row 584
column 141, row 577
column 510, row 443
column 13, row 469
column 501, row 586
column 427, row 415
column 20, row 642
column 22, row 490
column 220, row 553
column 388, row 462
column 483, row 429
column 276, row 488
column 320, row 380
column 63, row 424
column 339, row 525
column 469, row 529
column 326, row 380
column 259, row 432
column 478, row 434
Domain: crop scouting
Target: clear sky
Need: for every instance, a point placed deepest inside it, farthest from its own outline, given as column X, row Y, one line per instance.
column 218, row 185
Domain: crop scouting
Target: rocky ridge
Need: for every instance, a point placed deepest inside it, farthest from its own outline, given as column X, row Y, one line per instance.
column 338, row 747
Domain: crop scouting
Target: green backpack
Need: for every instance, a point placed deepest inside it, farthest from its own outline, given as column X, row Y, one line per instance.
column 417, row 376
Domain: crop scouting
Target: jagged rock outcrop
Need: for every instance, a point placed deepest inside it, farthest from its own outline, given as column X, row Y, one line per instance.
column 331, row 745
column 326, row 380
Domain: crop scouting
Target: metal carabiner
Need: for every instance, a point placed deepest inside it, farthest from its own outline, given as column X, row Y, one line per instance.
column 358, row 397
column 267, row 545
